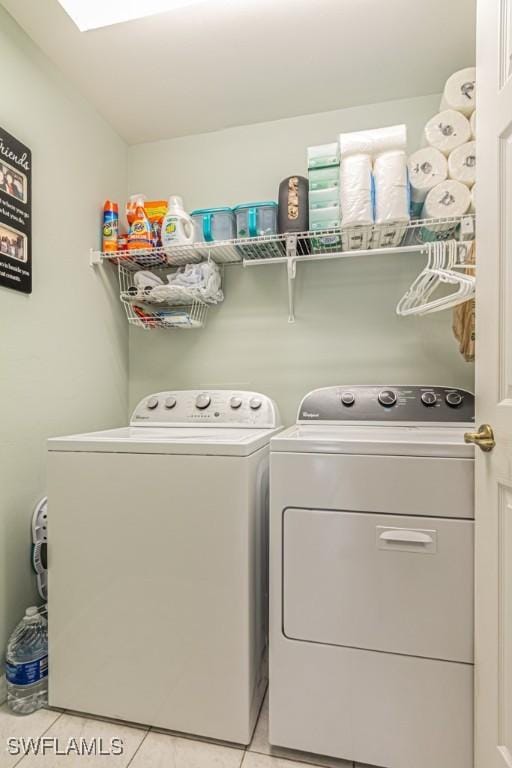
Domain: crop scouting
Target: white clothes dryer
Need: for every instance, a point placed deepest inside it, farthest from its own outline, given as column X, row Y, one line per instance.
column 371, row 577
column 158, row 564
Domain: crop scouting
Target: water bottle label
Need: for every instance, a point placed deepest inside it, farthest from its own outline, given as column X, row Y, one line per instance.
column 28, row 673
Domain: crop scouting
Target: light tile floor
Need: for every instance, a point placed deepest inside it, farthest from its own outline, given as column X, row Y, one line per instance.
column 143, row 747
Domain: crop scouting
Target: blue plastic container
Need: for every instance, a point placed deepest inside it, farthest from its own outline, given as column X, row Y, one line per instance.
column 256, row 219
column 214, row 224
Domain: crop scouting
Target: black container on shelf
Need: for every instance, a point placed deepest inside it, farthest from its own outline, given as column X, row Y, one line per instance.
column 293, row 214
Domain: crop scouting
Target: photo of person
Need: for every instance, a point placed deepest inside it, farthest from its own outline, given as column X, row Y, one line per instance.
column 13, row 244
column 13, row 182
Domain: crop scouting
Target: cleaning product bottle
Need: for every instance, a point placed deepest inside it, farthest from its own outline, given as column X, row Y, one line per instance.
column 177, row 226
column 140, row 235
column 110, row 225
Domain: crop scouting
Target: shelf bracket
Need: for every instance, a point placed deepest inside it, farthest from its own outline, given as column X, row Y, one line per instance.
column 94, row 258
column 291, row 268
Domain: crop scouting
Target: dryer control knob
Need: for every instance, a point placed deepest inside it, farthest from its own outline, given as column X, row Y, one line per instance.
column 170, row 402
column 203, row 401
column 235, row 402
column 429, row 399
column 152, row 403
column 255, row 403
column 387, row 398
column 348, row 398
column 454, row 399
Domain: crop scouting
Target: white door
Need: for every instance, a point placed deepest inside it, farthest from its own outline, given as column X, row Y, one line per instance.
column 494, row 386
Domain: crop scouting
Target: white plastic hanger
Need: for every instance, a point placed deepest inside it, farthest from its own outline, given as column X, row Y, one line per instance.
column 440, row 271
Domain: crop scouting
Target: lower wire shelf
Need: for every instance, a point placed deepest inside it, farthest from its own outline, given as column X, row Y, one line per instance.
column 184, row 316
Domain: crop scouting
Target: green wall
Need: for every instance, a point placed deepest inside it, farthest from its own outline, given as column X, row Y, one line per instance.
column 63, row 350
column 346, row 329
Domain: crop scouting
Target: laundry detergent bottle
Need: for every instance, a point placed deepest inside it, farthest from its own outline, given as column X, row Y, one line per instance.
column 177, row 226
column 140, row 235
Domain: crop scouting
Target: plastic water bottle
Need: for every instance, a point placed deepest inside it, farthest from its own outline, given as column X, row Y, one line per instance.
column 26, row 666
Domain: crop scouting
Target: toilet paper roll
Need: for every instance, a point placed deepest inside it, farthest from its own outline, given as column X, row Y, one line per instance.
column 391, row 187
column 472, row 125
column 449, row 198
column 462, row 164
column 472, row 207
column 374, row 141
column 356, row 190
column 460, row 91
column 427, row 168
column 447, row 130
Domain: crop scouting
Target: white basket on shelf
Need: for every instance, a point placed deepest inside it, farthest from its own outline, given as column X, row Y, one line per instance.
column 184, row 310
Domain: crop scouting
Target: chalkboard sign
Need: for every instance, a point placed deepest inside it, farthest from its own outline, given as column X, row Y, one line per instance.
column 15, row 214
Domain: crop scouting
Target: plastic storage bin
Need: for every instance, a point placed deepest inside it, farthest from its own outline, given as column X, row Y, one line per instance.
column 214, row 224
column 256, row 219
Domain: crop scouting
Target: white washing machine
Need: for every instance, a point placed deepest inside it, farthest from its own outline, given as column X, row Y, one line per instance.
column 371, row 577
column 158, row 563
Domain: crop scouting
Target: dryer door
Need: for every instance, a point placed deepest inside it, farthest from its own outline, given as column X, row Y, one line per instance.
column 379, row 582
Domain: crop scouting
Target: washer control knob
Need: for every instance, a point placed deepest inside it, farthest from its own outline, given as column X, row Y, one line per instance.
column 235, row 403
column 203, row 401
column 429, row 399
column 348, row 398
column 152, row 403
column 454, row 399
column 255, row 403
column 170, row 402
column 387, row 398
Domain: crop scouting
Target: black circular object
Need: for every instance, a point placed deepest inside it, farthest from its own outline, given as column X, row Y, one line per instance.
column 429, row 399
column 454, row 399
column 387, row 398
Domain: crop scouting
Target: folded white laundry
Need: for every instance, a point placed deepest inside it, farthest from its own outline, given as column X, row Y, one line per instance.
column 203, row 280
column 144, row 279
column 194, row 281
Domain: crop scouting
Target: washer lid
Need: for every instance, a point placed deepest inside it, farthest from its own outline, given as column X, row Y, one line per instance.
column 212, row 441
column 381, row 440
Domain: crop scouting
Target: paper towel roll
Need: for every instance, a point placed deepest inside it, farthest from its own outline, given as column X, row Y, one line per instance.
column 472, row 125
column 427, row 168
column 447, row 130
column 462, row 163
column 391, row 187
column 356, row 187
column 449, row 198
column 472, row 207
column 460, row 91
column 374, row 141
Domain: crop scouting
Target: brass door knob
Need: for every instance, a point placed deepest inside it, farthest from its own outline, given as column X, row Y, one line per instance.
column 484, row 438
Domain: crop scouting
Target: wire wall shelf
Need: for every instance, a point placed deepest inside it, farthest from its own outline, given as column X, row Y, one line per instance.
column 288, row 249
column 353, row 241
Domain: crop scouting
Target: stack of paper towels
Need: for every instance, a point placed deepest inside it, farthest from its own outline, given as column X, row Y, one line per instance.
column 449, row 155
column 373, row 181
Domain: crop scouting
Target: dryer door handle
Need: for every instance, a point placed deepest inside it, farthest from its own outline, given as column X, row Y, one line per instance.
column 406, row 536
